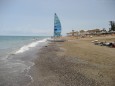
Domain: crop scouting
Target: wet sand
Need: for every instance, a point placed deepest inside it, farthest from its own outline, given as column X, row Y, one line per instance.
column 76, row 62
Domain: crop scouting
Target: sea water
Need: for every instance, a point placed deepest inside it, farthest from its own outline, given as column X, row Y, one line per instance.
column 16, row 55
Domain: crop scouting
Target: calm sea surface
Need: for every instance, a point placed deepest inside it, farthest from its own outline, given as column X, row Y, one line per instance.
column 16, row 55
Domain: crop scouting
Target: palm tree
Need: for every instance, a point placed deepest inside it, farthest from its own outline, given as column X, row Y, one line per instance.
column 112, row 24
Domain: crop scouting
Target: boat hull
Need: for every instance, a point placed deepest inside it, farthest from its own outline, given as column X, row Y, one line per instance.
column 56, row 40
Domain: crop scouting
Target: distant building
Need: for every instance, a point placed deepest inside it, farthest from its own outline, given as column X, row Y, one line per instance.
column 83, row 33
column 93, row 32
column 73, row 33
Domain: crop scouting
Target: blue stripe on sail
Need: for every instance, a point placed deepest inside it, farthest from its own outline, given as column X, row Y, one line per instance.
column 57, row 26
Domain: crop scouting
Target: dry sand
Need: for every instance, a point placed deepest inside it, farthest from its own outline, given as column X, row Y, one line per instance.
column 77, row 62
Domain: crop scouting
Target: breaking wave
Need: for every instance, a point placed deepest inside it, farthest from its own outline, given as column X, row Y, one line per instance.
column 27, row 47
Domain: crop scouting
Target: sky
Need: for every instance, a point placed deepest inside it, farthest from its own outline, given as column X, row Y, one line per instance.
column 36, row 17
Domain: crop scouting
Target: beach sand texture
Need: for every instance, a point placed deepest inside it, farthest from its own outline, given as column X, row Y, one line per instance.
column 76, row 62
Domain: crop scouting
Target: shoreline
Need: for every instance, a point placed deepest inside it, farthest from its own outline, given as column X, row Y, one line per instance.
column 16, row 64
column 62, row 64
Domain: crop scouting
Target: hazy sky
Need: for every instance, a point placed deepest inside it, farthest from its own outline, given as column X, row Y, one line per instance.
column 36, row 17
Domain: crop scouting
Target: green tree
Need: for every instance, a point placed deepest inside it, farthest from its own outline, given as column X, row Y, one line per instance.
column 112, row 24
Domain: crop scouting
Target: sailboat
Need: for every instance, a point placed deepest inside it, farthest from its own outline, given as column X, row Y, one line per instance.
column 57, row 30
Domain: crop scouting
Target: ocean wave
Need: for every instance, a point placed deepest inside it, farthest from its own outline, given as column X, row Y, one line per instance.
column 27, row 47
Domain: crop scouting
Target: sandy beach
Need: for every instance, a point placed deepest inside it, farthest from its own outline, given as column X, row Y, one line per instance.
column 76, row 62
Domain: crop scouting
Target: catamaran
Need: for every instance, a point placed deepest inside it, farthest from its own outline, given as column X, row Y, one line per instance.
column 57, row 30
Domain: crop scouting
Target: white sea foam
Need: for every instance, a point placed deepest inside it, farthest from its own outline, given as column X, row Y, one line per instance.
column 27, row 47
